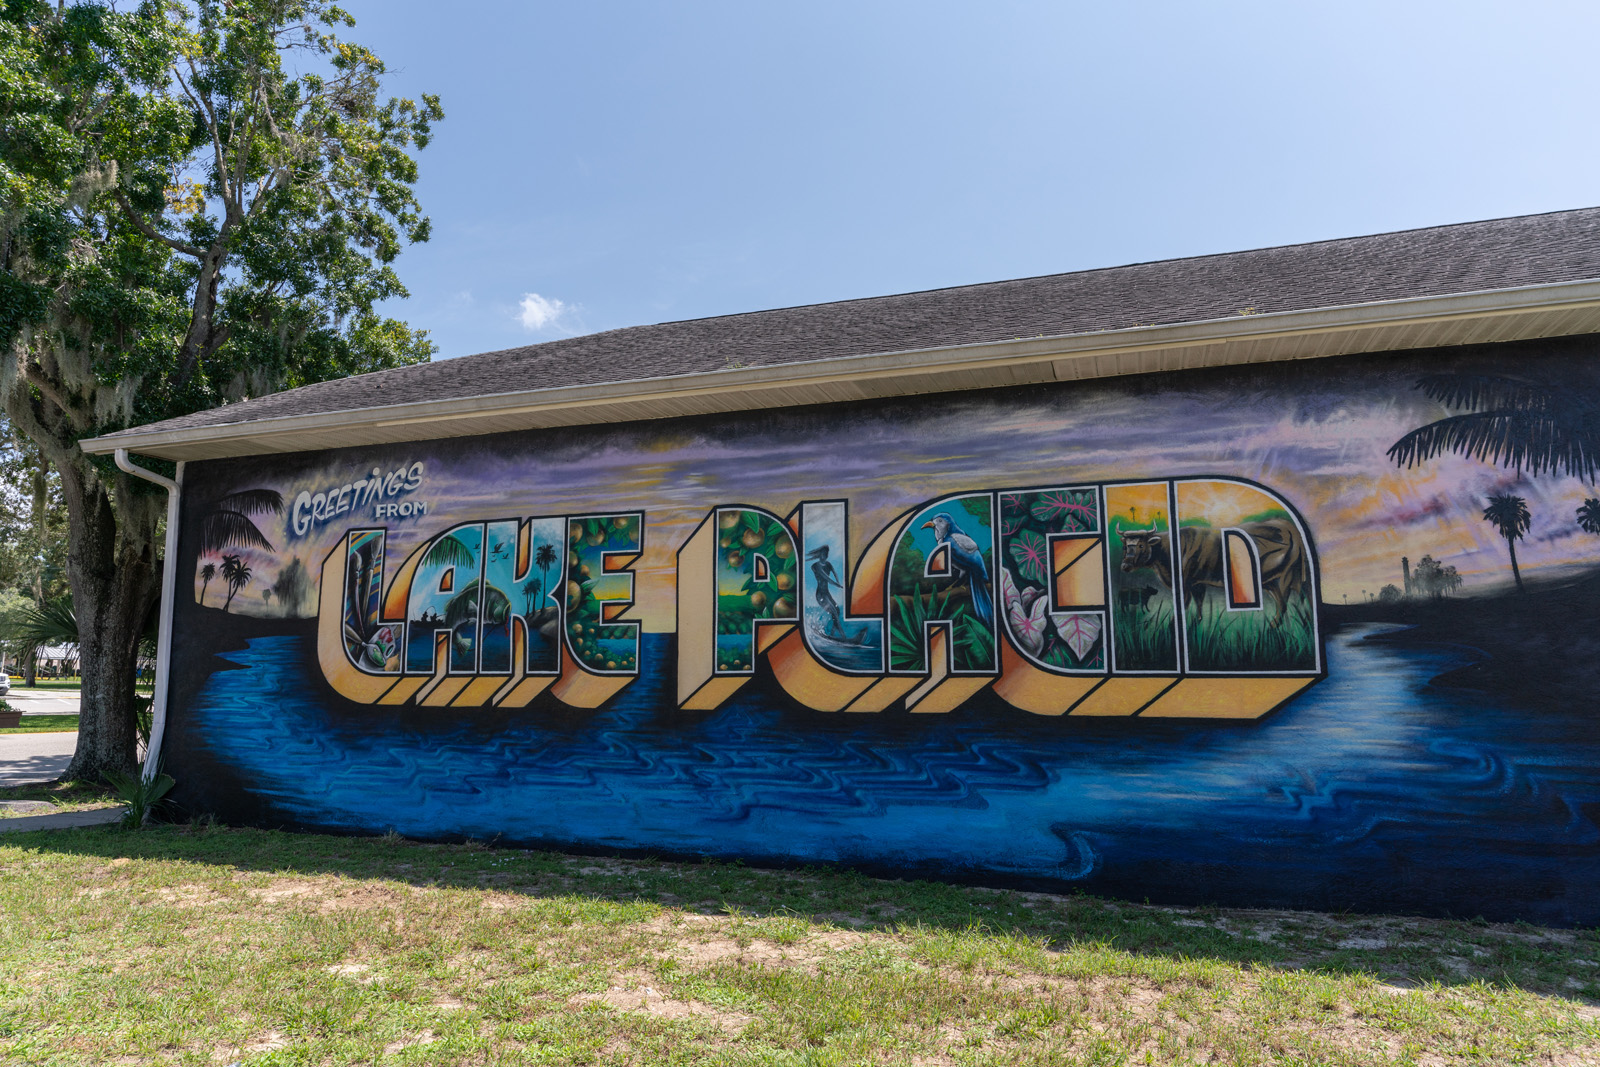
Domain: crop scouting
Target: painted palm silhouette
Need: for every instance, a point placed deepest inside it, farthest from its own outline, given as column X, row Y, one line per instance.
column 1536, row 423
column 237, row 574
column 544, row 559
column 1509, row 514
column 230, row 521
column 208, row 572
column 1589, row 516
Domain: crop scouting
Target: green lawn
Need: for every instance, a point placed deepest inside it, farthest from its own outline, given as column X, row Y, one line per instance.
column 204, row 945
column 42, row 724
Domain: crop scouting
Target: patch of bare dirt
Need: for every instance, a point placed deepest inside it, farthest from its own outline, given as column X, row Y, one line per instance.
column 699, row 941
column 189, row 896
column 359, row 972
column 634, row 992
column 270, row 1041
column 605, row 865
column 424, row 1038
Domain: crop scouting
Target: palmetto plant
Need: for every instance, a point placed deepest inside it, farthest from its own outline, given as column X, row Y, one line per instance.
column 1589, row 515
column 208, row 572
column 1509, row 514
column 1535, row 423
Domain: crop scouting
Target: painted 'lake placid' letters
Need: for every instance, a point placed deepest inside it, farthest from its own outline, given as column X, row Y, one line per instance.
column 1044, row 594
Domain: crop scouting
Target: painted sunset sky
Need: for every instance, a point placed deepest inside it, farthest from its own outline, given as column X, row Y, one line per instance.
column 1316, row 433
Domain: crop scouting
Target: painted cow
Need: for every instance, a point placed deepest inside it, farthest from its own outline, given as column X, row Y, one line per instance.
column 1285, row 567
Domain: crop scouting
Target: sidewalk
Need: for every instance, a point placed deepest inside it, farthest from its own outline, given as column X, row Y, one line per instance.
column 60, row 821
column 26, row 758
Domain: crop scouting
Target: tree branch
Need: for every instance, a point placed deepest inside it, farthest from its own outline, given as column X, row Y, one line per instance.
column 204, row 105
column 143, row 226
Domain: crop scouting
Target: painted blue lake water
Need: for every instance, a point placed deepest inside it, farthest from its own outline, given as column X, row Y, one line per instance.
column 1355, row 796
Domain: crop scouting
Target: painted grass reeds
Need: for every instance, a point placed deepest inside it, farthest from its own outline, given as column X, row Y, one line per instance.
column 1222, row 640
column 1146, row 640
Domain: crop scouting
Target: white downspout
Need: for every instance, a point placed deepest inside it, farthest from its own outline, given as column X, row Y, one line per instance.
column 169, row 583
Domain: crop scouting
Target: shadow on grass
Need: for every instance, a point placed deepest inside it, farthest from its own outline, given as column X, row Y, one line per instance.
column 1400, row 951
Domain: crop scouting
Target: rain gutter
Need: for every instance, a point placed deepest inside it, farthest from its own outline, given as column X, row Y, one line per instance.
column 169, row 581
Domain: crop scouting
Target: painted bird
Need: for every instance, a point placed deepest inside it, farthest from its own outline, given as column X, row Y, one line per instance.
column 967, row 561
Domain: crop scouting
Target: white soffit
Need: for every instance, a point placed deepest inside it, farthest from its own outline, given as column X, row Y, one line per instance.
column 1562, row 309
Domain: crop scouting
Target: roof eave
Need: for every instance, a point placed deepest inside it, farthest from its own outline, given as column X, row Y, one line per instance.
column 1523, row 313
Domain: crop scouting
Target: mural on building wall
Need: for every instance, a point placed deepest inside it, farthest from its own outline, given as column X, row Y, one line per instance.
column 1257, row 636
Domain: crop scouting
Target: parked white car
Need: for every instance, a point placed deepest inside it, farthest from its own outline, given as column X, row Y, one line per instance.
column 5, row 685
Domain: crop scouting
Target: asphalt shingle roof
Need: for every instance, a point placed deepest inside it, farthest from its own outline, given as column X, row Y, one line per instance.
column 1436, row 261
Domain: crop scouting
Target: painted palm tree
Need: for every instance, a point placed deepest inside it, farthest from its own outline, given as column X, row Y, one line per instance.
column 229, row 522
column 1509, row 514
column 544, row 559
column 232, row 568
column 450, row 551
column 208, row 572
column 530, row 596
column 1536, row 423
column 1589, row 516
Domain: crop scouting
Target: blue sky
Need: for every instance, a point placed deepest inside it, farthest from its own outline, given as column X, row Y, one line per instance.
column 611, row 164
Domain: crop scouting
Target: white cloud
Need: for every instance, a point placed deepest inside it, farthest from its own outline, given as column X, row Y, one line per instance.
column 538, row 312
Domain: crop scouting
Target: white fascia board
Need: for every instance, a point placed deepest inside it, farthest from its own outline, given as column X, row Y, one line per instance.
column 1069, row 357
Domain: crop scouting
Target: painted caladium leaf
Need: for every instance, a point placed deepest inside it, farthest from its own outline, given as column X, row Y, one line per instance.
column 1080, row 632
column 1027, row 623
column 1025, row 613
column 1032, row 555
column 1076, row 509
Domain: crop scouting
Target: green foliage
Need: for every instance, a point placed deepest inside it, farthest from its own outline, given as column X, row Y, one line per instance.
column 906, row 627
column 587, row 631
column 202, row 202
column 33, row 520
column 144, row 717
column 50, row 623
column 742, row 535
column 144, row 796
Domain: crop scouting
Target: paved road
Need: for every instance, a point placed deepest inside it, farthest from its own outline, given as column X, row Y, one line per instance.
column 34, row 757
column 43, row 702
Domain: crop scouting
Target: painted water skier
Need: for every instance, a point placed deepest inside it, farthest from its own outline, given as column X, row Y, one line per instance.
column 966, row 562
column 827, row 578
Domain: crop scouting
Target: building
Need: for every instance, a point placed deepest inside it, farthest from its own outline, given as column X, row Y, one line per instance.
column 1067, row 581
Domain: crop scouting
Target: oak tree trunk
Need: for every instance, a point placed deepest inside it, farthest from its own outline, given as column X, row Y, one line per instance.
column 111, row 564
